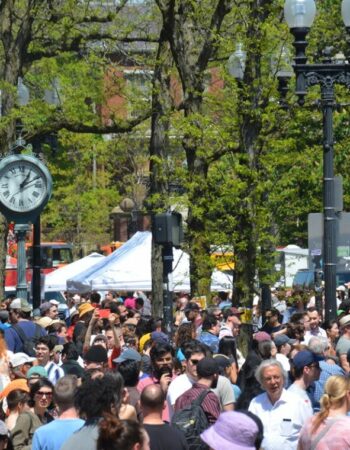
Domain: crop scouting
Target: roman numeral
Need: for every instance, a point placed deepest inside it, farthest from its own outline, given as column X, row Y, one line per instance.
column 35, row 194
column 20, row 203
column 13, row 171
column 5, row 186
column 12, row 200
column 21, row 169
column 38, row 185
column 6, row 194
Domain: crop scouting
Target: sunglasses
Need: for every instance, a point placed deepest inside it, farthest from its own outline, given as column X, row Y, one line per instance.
column 194, row 361
column 316, row 366
column 44, row 394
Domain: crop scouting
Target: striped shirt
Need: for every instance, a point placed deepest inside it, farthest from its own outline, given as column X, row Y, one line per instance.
column 54, row 372
column 210, row 404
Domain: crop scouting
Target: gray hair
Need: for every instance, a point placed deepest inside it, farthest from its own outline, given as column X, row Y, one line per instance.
column 318, row 345
column 264, row 365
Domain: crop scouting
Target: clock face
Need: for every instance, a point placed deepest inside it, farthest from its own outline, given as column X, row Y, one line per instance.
column 23, row 186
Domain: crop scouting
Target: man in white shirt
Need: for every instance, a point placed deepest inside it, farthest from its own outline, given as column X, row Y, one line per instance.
column 282, row 413
column 315, row 329
column 306, row 370
column 194, row 352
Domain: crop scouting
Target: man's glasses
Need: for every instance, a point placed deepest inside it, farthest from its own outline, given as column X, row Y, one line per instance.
column 194, row 361
column 44, row 394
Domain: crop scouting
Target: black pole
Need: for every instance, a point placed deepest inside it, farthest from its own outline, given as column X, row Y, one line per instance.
column 21, row 231
column 329, row 216
column 265, row 298
column 36, row 280
column 167, row 255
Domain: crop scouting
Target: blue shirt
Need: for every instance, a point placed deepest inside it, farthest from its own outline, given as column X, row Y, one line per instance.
column 54, row 434
column 327, row 370
column 14, row 342
column 210, row 340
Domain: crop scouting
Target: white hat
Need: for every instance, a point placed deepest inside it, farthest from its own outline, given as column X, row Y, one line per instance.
column 341, row 288
column 22, row 304
column 76, row 298
column 54, row 302
column 44, row 321
column 17, row 359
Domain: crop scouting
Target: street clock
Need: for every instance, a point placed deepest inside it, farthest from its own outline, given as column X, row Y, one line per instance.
column 25, row 187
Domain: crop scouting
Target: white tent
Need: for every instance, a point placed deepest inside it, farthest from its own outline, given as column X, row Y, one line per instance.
column 129, row 268
column 57, row 280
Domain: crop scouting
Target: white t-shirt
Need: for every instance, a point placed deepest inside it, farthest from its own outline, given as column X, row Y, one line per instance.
column 297, row 390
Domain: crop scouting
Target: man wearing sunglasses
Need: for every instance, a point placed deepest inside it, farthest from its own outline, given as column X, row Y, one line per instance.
column 194, row 352
column 306, row 370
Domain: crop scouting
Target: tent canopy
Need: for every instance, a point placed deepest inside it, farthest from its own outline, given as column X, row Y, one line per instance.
column 129, row 268
column 57, row 280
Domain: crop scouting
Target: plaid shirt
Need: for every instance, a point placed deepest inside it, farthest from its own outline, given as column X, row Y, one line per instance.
column 327, row 370
column 210, row 404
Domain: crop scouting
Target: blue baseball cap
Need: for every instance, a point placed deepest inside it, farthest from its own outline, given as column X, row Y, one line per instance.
column 305, row 358
column 128, row 354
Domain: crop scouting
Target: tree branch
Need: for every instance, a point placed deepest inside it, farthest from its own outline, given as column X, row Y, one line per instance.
column 123, row 126
column 223, row 7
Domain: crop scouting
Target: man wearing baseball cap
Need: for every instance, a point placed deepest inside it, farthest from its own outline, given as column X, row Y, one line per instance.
column 19, row 365
column 284, row 346
column 208, row 374
column 306, row 370
column 20, row 312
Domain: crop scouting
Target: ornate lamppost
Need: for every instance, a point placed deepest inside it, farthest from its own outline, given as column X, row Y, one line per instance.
column 299, row 15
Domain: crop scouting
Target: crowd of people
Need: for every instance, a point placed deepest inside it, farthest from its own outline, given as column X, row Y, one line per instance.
column 102, row 374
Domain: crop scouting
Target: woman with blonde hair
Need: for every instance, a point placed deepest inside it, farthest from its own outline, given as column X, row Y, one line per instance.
column 330, row 428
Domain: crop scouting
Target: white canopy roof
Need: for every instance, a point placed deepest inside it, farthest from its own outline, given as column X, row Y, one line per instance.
column 57, row 280
column 129, row 268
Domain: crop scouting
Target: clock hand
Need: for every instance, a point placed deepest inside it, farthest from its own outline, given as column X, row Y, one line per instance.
column 22, row 185
column 25, row 179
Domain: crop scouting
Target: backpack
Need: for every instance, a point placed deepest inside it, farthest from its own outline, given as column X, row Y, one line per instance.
column 28, row 343
column 192, row 421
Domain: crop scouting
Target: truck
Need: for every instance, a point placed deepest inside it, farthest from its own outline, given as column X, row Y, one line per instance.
column 290, row 260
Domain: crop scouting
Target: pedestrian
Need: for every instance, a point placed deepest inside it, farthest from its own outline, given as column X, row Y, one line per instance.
column 44, row 355
column 29, row 421
column 94, row 399
column 330, row 428
column 23, row 331
column 281, row 412
column 208, row 374
column 161, row 434
column 116, row 434
column 305, row 370
column 54, row 434
column 235, row 430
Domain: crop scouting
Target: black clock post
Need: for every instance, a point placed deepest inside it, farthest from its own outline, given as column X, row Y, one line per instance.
column 25, row 189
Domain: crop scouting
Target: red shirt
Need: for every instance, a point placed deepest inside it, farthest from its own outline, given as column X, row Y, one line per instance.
column 210, row 404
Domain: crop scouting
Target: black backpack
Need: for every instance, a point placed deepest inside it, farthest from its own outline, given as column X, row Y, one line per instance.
column 28, row 343
column 192, row 421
